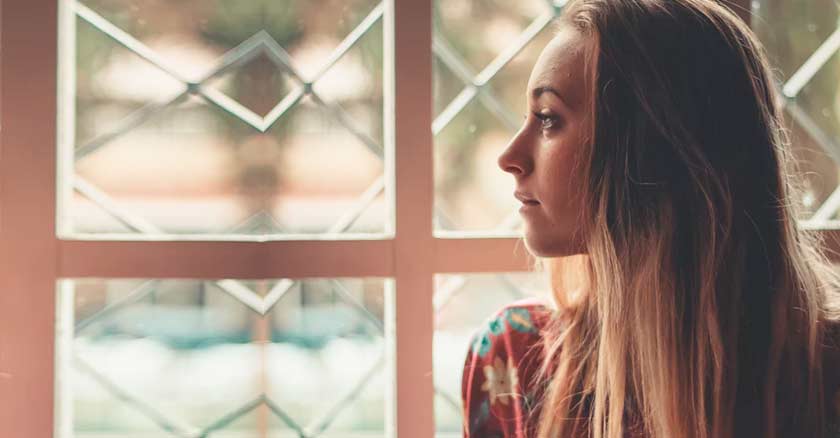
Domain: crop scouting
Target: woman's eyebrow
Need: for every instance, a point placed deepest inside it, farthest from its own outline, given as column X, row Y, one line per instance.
column 540, row 90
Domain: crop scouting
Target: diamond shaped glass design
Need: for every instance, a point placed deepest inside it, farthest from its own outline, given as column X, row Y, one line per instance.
column 229, row 118
column 802, row 40
column 224, row 358
column 462, row 304
column 479, row 98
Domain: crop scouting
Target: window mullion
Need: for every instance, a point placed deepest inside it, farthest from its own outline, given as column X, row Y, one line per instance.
column 225, row 259
column 408, row 110
column 27, row 217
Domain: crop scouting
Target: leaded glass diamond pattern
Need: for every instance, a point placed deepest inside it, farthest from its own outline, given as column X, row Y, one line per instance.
column 226, row 133
column 200, row 359
column 475, row 112
column 803, row 42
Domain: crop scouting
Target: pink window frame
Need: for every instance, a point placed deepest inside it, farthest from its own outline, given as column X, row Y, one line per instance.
column 32, row 258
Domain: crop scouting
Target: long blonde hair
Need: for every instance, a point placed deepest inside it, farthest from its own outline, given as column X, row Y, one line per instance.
column 702, row 303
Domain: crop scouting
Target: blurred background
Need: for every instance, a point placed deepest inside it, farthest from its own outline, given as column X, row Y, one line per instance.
column 265, row 118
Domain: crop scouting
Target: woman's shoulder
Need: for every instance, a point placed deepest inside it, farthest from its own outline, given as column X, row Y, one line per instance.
column 512, row 328
column 505, row 353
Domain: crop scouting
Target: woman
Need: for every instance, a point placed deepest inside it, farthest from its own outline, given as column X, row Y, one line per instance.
column 655, row 181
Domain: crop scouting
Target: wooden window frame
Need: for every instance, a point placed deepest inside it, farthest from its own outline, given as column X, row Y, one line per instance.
column 32, row 258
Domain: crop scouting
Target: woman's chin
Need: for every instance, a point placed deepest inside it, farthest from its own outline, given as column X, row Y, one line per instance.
column 539, row 247
column 549, row 246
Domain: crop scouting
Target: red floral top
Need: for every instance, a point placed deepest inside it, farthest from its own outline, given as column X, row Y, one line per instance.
column 498, row 389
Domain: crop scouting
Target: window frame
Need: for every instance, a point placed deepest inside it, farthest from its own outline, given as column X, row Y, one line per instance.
column 33, row 257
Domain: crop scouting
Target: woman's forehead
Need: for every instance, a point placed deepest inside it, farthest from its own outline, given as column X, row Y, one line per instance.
column 562, row 65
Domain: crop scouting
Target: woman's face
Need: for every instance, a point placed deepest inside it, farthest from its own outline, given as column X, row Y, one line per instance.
column 543, row 154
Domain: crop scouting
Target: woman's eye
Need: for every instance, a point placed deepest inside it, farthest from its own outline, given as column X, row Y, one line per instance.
column 547, row 121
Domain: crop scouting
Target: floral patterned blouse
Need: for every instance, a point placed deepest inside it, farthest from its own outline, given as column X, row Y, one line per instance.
column 498, row 387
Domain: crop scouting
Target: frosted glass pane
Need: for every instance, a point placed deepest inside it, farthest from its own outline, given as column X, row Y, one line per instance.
column 483, row 54
column 255, row 118
column 792, row 33
column 224, row 358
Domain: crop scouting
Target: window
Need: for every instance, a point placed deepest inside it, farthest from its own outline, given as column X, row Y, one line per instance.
column 802, row 41
column 232, row 122
column 221, row 358
column 191, row 195
column 259, row 119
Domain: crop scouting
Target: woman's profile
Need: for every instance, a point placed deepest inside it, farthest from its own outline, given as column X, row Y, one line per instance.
column 658, row 193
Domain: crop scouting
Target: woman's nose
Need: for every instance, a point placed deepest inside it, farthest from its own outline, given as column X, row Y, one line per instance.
column 514, row 158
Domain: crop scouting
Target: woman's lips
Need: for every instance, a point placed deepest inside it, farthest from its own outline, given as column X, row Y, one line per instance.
column 528, row 206
column 525, row 198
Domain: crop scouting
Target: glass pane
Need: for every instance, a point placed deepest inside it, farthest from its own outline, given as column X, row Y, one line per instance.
column 793, row 33
column 229, row 358
column 253, row 118
column 463, row 303
column 484, row 52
